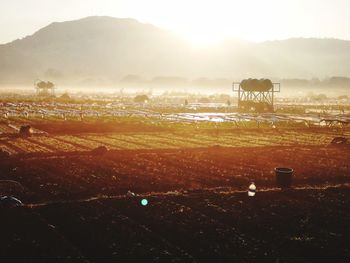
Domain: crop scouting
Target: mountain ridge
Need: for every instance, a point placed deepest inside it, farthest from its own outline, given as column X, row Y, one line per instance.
column 107, row 48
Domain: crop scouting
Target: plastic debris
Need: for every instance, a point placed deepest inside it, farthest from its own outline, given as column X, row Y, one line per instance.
column 9, row 202
column 339, row 140
column 130, row 194
column 252, row 189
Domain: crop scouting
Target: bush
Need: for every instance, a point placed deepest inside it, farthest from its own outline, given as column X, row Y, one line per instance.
column 141, row 99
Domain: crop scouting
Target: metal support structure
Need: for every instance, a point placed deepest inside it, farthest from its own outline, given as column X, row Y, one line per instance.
column 256, row 100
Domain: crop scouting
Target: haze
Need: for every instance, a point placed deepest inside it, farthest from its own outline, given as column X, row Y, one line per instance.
column 200, row 22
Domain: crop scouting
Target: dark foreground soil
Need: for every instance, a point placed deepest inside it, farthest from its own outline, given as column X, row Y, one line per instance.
column 76, row 208
column 300, row 225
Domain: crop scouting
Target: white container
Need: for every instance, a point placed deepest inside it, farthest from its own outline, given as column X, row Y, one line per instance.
column 252, row 189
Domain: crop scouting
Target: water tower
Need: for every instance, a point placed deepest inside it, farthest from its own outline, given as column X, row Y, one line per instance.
column 256, row 94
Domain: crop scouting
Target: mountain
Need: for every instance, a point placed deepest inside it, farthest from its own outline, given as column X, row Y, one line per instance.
column 106, row 49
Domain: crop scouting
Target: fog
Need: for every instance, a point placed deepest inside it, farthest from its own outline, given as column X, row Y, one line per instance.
column 106, row 54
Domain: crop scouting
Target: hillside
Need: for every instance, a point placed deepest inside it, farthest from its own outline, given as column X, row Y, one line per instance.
column 105, row 50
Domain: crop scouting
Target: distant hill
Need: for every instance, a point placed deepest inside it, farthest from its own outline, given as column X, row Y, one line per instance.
column 105, row 50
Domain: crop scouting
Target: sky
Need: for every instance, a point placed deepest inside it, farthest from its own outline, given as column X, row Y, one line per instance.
column 200, row 22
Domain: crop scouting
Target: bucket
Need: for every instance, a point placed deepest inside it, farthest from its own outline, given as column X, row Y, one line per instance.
column 284, row 176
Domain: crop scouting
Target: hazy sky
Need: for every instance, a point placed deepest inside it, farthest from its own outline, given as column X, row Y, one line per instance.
column 202, row 22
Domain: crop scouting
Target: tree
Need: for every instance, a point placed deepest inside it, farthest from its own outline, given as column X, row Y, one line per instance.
column 141, row 99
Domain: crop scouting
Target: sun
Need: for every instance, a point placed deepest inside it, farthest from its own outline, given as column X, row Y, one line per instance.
column 202, row 40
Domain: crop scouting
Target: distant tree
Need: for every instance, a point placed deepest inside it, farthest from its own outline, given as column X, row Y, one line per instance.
column 339, row 81
column 320, row 97
column 65, row 96
column 131, row 79
column 169, row 80
column 343, row 97
column 202, row 82
column 224, row 97
column 141, row 99
column 204, row 100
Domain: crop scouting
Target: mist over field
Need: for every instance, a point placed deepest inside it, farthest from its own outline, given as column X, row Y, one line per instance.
column 102, row 52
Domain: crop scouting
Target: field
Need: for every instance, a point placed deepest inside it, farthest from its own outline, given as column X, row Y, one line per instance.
column 195, row 174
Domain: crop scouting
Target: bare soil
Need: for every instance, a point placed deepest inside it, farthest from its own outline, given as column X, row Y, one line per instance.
column 76, row 208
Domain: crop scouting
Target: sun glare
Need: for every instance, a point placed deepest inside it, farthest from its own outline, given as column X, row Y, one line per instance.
column 202, row 40
column 203, row 24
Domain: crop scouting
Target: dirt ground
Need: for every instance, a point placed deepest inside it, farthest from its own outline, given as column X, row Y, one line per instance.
column 51, row 177
column 76, row 208
column 305, row 225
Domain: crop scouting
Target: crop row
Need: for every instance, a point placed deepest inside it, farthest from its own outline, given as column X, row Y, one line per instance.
column 66, row 143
